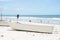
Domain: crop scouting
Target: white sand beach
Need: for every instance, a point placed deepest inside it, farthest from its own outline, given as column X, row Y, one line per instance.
column 10, row 34
column 7, row 33
column 29, row 19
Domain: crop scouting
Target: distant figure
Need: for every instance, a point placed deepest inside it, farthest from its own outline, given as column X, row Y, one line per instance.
column 17, row 17
column 29, row 20
column 40, row 21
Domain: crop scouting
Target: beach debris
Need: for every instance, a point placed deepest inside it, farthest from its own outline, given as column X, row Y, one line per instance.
column 2, row 35
column 29, row 20
column 33, row 34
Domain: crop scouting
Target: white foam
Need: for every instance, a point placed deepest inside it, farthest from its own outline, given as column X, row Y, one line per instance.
column 33, row 19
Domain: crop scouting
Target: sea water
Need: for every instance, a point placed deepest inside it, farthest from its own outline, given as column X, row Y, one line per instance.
column 46, row 19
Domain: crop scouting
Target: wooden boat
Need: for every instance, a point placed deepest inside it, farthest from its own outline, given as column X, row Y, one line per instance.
column 33, row 27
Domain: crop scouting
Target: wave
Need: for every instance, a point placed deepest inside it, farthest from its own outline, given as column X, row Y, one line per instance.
column 33, row 19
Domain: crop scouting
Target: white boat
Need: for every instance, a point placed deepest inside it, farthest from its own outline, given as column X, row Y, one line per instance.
column 4, row 23
column 33, row 27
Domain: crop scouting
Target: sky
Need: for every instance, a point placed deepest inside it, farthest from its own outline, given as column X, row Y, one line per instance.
column 30, row 7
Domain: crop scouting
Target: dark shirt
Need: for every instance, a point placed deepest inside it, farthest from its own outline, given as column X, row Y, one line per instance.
column 17, row 16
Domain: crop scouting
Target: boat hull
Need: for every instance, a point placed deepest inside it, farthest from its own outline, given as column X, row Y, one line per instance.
column 32, row 27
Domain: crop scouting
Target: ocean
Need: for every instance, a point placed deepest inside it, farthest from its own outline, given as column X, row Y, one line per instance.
column 43, row 16
column 46, row 19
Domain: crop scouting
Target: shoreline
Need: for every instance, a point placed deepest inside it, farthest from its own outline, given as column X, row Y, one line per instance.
column 34, row 19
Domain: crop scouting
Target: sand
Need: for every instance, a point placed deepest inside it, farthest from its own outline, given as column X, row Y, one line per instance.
column 7, row 33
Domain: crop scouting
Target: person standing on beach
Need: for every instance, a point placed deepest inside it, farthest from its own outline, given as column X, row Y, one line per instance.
column 17, row 17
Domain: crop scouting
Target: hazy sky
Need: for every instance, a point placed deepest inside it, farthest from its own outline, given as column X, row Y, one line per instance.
column 30, row 7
